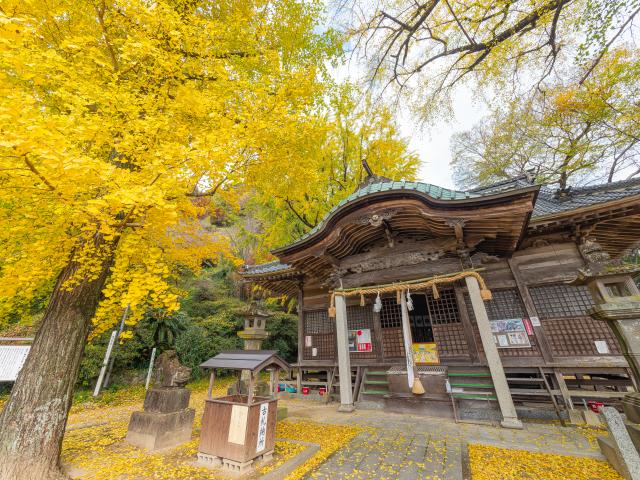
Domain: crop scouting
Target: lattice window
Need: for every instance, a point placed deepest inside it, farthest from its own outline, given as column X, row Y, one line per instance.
column 554, row 301
column 321, row 329
column 391, row 323
column 451, row 340
column 362, row 318
column 443, row 310
column 318, row 322
column 392, row 342
column 391, row 314
column 570, row 330
column 576, row 336
column 504, row 304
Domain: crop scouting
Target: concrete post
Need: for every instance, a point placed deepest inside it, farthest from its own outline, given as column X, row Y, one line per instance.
column 344, row 362
column 508, row 410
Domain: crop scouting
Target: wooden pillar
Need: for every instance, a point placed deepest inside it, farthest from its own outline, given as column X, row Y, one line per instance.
column 250, row 388
column 344, row 362
column 300, row 322
column 530, row 308
column 212, row 379
column 507, row 408
column 467, row 325
column 408, row 339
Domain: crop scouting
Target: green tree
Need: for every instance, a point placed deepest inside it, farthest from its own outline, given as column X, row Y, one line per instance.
column 353, row 129
column 571, row 135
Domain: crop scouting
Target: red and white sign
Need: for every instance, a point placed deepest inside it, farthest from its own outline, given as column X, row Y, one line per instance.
column 360, row 340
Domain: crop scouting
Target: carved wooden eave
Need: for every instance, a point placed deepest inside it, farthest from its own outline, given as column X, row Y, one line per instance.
column 493, row 224
column 615, row 224
column 285, row 281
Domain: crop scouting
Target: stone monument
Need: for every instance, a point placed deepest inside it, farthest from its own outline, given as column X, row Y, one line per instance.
column 167, row 419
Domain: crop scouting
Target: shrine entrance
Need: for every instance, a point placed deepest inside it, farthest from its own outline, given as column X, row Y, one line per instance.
column 420, row 320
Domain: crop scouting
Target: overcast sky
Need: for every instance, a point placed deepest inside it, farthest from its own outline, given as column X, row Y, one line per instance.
column 430, row 143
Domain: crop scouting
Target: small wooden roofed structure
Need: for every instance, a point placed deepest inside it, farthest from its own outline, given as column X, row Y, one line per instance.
column 252, row 360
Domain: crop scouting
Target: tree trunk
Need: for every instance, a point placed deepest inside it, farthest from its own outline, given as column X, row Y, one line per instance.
column 33, row 421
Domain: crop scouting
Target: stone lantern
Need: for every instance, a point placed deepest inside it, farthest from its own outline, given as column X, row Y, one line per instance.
column 617, row 298
column 255, row 323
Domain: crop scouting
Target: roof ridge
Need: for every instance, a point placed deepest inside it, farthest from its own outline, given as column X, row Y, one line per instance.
column 629, row 182
column 523, row 176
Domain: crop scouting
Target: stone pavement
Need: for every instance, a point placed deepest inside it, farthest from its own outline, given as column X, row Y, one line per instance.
column 404, row 446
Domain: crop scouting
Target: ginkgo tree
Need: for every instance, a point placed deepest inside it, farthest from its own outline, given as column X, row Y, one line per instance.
column 114, row 116
column 352, row 129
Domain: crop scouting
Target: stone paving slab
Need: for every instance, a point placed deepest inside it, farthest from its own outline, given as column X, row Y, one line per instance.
column 405, row 446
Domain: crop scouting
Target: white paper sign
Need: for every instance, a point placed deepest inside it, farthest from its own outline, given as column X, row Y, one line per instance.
column 12, row 358
column 307, row 341
column 602, row 347
column 535, row 321
column 314, row 352
column 262, row 427
column 238, row 424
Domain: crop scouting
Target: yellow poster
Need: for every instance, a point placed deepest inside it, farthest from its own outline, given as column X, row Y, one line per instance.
column 425, row 353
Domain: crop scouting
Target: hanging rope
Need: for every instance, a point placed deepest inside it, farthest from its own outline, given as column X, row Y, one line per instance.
column 422, row 284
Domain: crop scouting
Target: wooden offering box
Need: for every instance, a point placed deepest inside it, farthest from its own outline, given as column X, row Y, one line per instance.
column 238, row 429
column 234, row 430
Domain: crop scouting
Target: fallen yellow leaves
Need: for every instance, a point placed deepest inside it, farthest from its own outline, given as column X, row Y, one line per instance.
column 493, row 463
column 99, row 452
column 329, row 437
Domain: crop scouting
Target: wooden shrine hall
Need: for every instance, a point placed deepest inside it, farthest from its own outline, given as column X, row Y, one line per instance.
column 489, row 297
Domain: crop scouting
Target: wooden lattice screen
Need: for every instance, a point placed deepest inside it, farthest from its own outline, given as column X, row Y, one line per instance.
column 391, row 323
column 570, row 330
column 506, row 303
column 448, row 331
column 321, row 329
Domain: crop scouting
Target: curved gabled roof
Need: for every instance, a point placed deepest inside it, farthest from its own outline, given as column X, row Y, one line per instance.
column 431, row 193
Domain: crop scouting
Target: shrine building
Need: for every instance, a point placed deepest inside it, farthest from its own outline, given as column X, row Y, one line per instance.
column 502, row 296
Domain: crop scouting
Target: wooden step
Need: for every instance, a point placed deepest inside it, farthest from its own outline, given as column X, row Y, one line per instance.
column 465, row 374
column 375, row 392
column 474, row 396
column 476, row 385
column 376, row 382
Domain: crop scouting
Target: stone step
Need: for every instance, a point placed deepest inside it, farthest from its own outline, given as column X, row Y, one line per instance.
column 634, row 433
column 608, row 449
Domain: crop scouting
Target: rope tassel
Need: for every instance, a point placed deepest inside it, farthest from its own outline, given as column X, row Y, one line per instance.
column 332, row 306
column 434, row 290
column 361, row 300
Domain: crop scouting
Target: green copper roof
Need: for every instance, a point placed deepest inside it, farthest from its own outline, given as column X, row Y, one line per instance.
column 433, row 191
